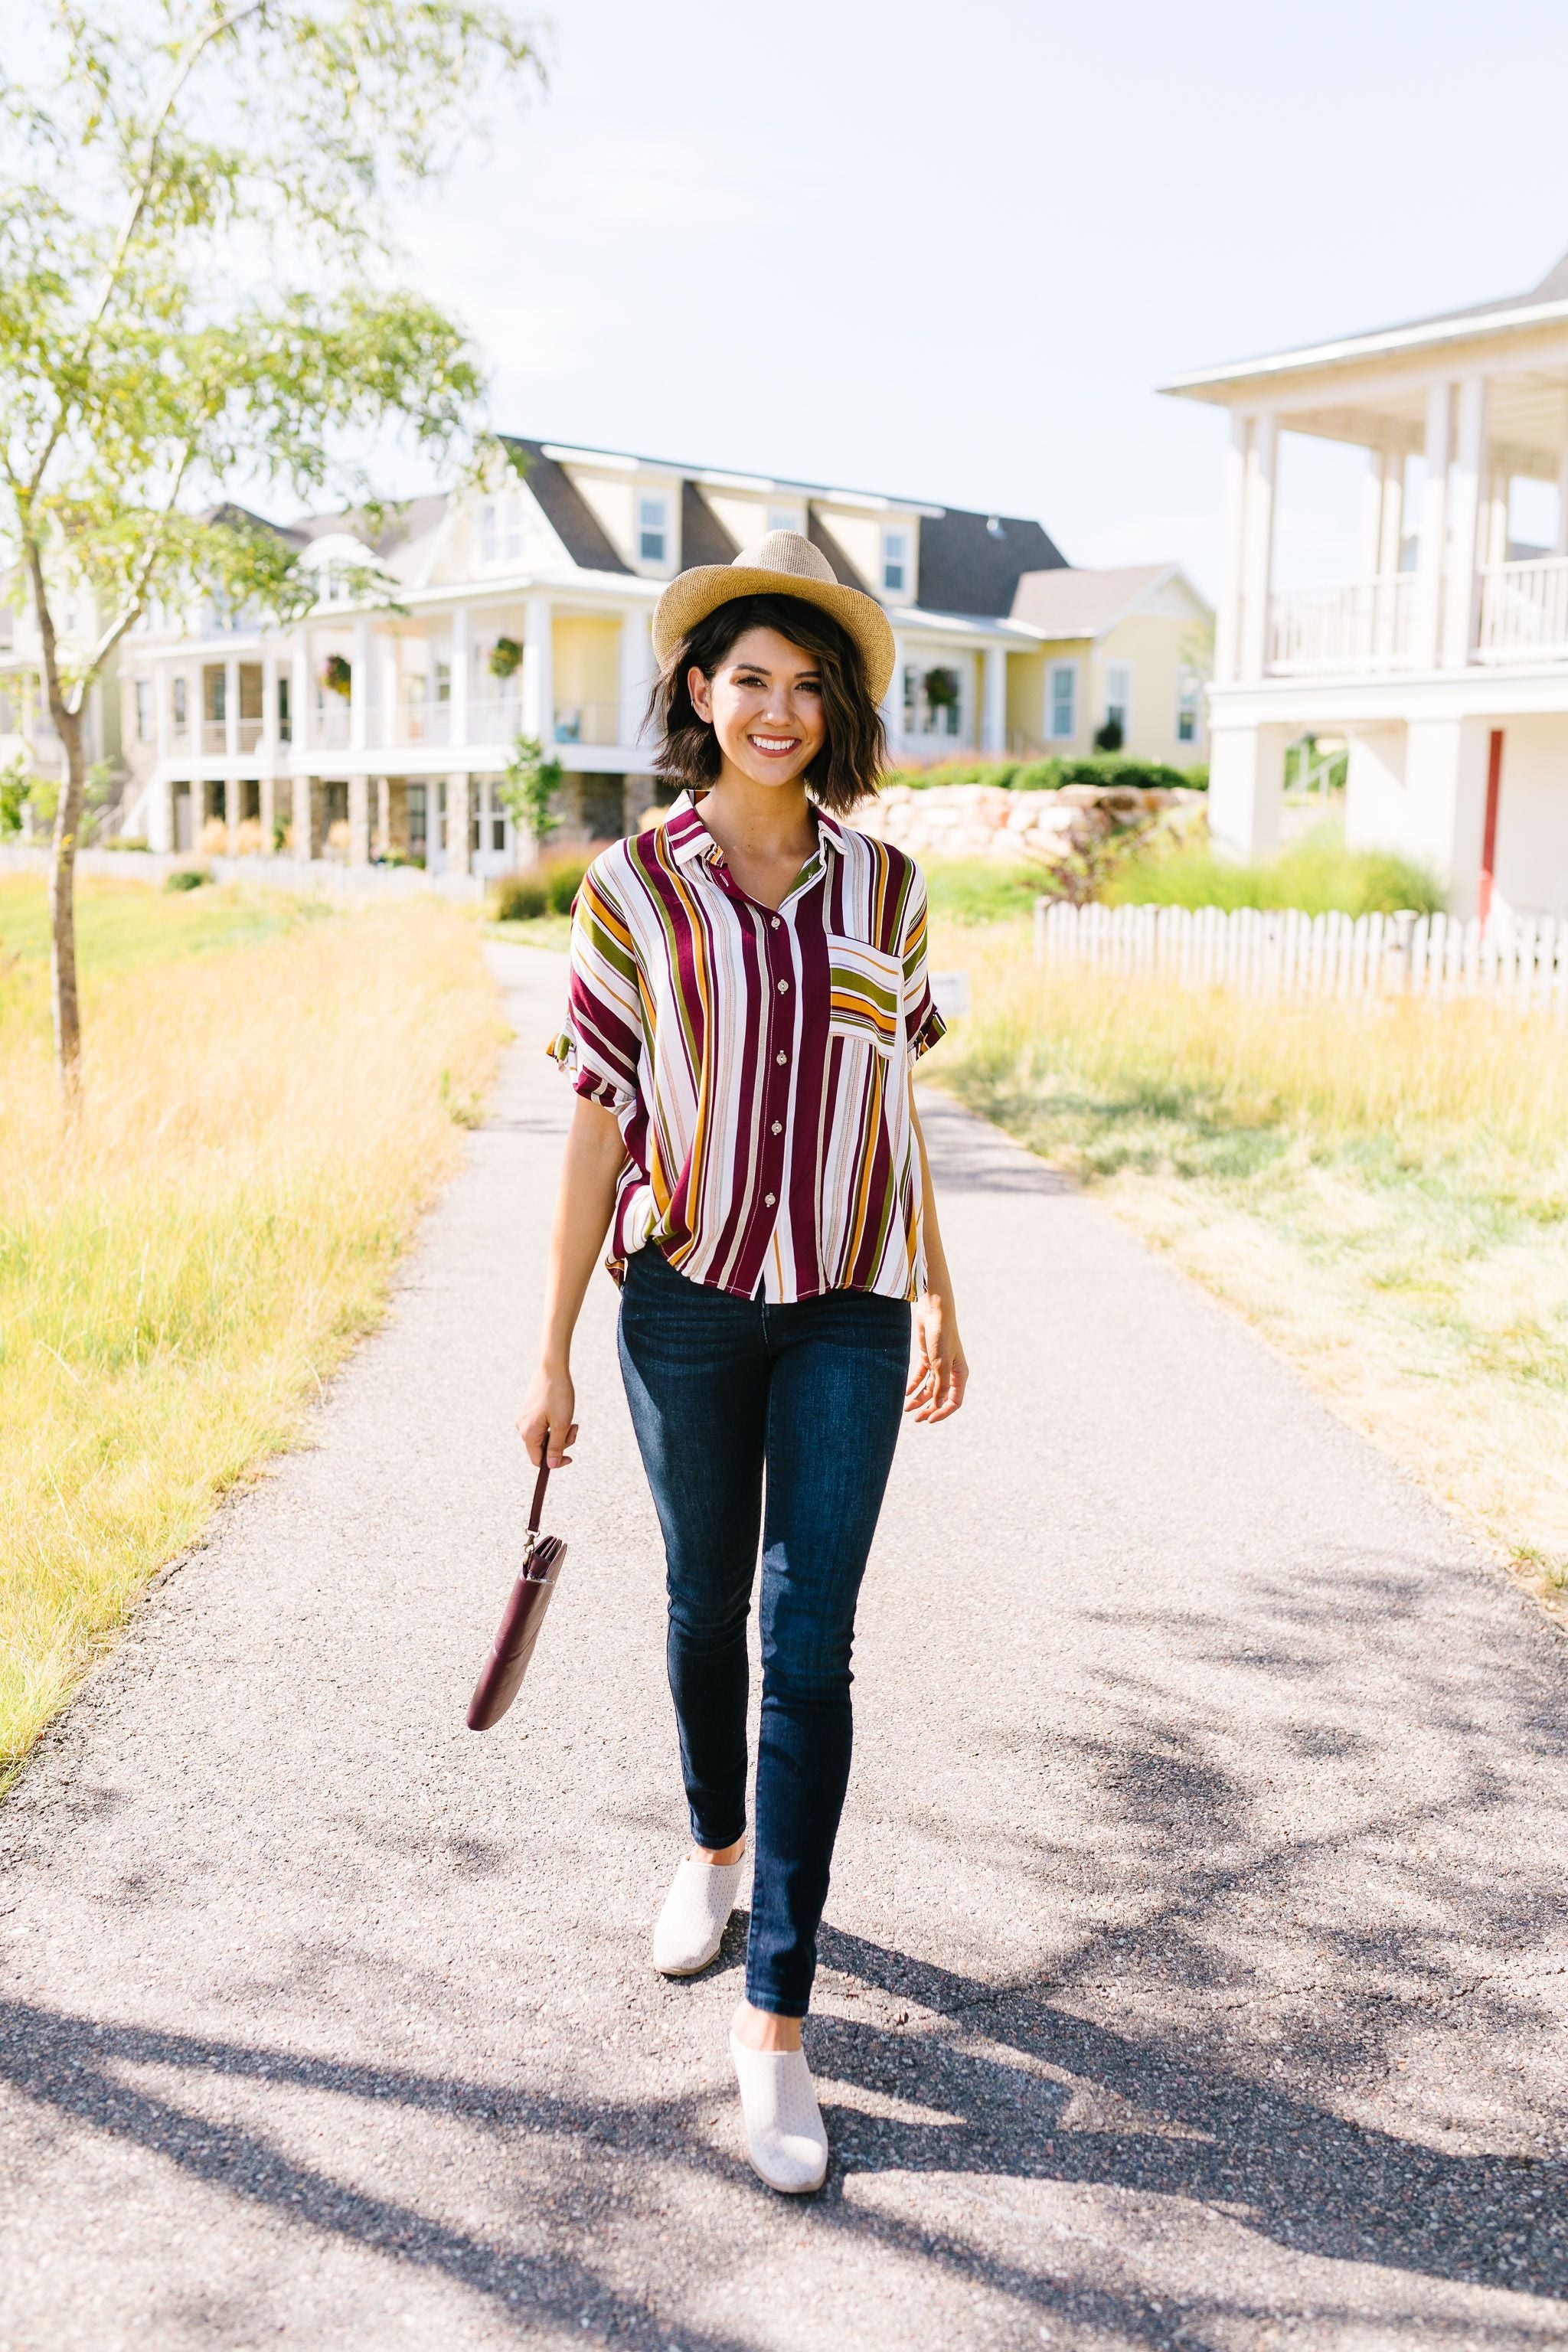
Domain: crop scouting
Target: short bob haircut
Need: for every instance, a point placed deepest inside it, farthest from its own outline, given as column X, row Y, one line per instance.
column 854, row 751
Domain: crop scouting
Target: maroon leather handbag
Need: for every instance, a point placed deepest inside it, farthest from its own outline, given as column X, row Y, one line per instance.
column 524, row 1616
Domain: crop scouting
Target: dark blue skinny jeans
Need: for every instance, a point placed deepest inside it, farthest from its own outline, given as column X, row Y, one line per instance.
column 725, row 1393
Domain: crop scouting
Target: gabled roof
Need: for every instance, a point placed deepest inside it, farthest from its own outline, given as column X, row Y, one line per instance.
column 703, row 537
column 565, row 510
column 1540, row 305
column 1067, row 603
column 974, row 562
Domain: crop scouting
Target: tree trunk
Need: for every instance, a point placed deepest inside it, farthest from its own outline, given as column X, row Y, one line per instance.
column 62, row 901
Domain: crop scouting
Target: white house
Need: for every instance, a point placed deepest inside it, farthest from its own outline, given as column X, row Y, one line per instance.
column 1445, row 661
column 382, row 723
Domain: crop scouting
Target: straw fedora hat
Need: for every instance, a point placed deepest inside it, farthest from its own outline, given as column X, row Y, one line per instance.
column 781, row 565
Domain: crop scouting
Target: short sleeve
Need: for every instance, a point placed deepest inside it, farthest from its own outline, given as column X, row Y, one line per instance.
column 601, row 1045
column 923, row 1024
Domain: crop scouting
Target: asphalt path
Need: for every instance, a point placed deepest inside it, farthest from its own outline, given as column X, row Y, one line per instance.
column 1195, row 1961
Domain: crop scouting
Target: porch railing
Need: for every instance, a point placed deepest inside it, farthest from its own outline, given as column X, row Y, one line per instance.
column 1362, row 625
column 1525, row 611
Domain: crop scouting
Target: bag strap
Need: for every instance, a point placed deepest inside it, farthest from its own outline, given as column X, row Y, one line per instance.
column 540, row 1485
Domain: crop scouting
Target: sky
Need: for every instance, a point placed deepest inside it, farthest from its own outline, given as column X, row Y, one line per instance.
column 952, row 252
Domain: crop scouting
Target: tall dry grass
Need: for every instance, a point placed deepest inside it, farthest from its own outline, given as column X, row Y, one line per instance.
column 1383, row 1190
column 181, row 1266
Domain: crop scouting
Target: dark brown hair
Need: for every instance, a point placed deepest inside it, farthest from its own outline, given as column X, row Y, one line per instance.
column 855, row 750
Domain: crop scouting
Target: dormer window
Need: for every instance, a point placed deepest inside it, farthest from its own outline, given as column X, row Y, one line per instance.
column 895, row 563
column 489, row 531
column 653, row 529
column 784, row 518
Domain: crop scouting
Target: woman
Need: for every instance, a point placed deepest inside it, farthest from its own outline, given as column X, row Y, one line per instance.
column 748, row 995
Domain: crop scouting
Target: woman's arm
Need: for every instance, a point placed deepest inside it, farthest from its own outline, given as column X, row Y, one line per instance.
column 596, row 1154
column 941, row 1374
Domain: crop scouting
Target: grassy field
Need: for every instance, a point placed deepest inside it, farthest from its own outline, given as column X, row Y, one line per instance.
column 271, row 1094
column 1382, row 1191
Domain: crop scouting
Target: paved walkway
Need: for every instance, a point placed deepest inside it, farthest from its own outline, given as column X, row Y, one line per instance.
column 1195, row 1972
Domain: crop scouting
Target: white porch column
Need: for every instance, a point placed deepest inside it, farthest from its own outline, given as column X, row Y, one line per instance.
column 1561, row 543
column 1463, row 585
column 301, row 818
column 1374, row 489
column 538, row 671
column 1427, row 642
column 267, row 743
column 359, row 820
column 1228, row 617
column 268, row 810
column 233, row 800
column 461, row 668
column 636, row 675
column 300, row 693
column 382, row 817
column 1247, row 790
column 230, row 707
column 1257, row 550
column 161, row 800
column 1446, row 799
column 994, row 698
column 457, row 857
column 1391, row 525
column 359, row 696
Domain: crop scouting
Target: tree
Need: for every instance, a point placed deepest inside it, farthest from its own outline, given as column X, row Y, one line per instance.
column 196, row 286
column 528, row 794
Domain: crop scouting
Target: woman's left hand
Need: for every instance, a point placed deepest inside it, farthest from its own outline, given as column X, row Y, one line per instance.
column 941, row 1374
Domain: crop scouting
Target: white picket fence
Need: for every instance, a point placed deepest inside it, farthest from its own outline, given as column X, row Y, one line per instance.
column 1288, row 953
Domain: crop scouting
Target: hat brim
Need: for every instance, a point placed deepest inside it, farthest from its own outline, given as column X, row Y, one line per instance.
column 693, row 594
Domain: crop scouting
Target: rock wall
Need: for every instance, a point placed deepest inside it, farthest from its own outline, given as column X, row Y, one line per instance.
column 981, row 821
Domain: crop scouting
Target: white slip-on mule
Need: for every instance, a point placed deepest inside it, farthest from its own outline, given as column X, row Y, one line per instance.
column 785, row 2142
column 695, row 1915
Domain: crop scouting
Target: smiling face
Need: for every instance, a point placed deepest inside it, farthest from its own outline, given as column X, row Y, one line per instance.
column 764, row 704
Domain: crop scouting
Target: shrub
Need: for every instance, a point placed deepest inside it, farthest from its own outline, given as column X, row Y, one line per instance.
column 1048, row 775
column 564, row 878
column 1318, row 874
column 521, row 898
column 185, row 878
column 124, row 841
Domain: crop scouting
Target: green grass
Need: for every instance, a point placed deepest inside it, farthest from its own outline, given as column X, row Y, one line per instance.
column 981, row 889
column 124, row 927
column 538, row 931
column 1318, row 874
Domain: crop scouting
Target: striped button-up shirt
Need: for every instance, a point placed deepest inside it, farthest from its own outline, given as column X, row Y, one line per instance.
column 758, row 1060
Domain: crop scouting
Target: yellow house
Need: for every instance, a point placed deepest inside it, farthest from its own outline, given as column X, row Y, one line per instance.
column 1129, row 647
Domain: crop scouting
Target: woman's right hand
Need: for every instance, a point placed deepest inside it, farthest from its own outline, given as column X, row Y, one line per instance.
column 546, row 1414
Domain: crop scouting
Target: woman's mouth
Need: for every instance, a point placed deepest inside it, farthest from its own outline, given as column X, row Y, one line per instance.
column 774, row 747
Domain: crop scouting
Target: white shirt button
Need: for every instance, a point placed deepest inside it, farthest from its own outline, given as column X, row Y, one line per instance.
column 769, row 1201
column 782, row 1058
column 778, row 1127
column 775, row 922
column 783, row 988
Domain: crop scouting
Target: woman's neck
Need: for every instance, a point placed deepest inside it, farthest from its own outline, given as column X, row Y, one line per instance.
column 768, row 821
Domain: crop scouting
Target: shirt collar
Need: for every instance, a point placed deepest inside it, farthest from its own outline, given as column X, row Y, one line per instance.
column 689, row 839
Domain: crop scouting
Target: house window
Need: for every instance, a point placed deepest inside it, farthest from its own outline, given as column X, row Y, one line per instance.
column 217, row 696
column 787, row 519
column 285, row 722
column 489, row 542
column 442, row 681
column 1118, row 697
column 178, row 704
column 1189, row 701
column 653, row 529
column 895, row 563
column 912, row 698
column 513, row 527
column 416, row 821
column 1061, row 702
column 144, row 710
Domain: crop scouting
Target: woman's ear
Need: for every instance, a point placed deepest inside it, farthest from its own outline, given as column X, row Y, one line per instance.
column 701, row 692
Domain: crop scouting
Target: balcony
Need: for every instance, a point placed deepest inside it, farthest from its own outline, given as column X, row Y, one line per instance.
column 329, row 725
column 587, row 722
column 1363, row 626
column 215, row 738
column 1524, row 611
column 412, row 723
column 493, row 718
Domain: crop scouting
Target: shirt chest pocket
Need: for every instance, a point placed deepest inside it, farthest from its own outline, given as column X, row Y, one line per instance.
column 866, row 994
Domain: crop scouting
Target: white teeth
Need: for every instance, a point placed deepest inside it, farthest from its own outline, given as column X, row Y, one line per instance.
column 773, row 742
